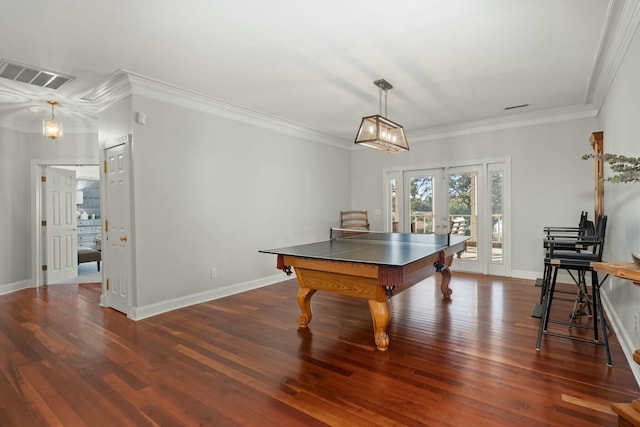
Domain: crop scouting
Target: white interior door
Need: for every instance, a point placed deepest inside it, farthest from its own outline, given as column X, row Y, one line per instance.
column 116, row 245
column 61, row 232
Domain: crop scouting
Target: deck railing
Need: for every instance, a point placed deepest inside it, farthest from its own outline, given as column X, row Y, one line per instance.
column 422, row 222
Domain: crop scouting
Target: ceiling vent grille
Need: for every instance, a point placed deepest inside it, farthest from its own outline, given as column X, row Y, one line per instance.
column 32, row 75
column 513, row 107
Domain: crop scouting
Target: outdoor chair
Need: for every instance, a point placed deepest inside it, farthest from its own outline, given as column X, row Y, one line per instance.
column 358, row 220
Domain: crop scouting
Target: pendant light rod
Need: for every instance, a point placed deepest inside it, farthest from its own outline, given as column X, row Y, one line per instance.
column 384, row 87
column 53, row 104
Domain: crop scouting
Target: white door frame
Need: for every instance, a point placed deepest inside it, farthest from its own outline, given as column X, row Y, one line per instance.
column 38, row 245
column 504, row 268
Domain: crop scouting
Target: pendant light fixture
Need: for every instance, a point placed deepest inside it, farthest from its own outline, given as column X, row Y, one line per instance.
column 380, row 133
column 51, row 128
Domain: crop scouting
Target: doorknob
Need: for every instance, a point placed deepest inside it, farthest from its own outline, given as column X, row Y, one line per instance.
column 123, row 238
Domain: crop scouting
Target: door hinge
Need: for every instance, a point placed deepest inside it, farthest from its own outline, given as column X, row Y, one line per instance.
column 43, row 179
column 106, row 225
column 44, row 267
column 105, row 166
column 107, row 284
column 44, row 223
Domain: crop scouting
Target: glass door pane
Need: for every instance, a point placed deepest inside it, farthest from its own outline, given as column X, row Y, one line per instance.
column 423, row 201
column 421, row 204
column 395, row 211
column 497, row 215
column 463, row 210
column 393, row 219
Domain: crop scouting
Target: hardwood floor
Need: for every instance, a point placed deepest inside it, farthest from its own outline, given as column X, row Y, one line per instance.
column 241, row 360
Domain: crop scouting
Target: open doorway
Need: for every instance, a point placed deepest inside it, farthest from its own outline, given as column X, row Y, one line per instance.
column 89, row 228
column 87, row 217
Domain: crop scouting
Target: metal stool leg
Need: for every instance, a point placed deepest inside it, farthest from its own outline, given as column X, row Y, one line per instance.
column 599, row 313
column 544, row 320
column 546, row 275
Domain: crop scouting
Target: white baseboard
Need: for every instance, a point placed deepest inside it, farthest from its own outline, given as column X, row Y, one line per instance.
column 139, row 313
column 16, row 286
column 524, row 274
column 621, row 333
column 563, row 276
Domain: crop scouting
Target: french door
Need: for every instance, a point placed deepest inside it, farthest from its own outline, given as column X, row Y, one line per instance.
column 464, row 200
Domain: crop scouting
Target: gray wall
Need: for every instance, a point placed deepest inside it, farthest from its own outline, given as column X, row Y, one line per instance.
column 14, row 208
column 620, row 121
column 210, row 192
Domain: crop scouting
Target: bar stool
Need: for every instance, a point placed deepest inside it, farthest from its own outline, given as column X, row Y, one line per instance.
column 589, row 250
column 584, row 227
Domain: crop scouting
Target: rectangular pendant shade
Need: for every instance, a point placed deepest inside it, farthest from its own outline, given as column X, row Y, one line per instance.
column 381, row 134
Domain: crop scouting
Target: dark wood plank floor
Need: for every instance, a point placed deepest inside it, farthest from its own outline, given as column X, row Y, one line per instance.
column 241, row 360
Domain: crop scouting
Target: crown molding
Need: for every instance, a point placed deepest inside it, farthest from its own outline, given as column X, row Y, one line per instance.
column 623, row 18
column 510, row 122
column 125, row 83
column 113, row 90
column 35, row 127
column 622, row 21
column 68, row 129
column 14, row 125
column 163, row 92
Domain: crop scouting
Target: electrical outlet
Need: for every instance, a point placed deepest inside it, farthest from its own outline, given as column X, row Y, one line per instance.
column 214, row 273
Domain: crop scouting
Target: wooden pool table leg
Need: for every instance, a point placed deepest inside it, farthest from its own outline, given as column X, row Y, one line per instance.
column 381, row 315
column 446, row 277
column 304, row 301
column 444, row 284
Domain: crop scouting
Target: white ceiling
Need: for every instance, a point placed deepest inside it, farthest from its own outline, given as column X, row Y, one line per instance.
column 452, row 62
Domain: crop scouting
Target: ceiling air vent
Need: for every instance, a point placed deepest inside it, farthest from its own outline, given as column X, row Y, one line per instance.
column 513, row 107
column 32, row 75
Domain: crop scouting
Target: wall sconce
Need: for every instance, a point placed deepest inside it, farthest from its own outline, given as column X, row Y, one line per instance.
column 51, row 128
column 380, row 133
